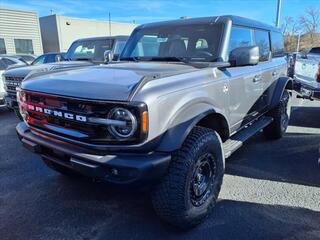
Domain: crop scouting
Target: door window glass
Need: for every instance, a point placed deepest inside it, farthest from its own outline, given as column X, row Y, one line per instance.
column 263, row 42
column 240, row 37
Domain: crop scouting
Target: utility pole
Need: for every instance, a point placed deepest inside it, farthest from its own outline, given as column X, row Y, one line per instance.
column 109, row 24
column 298, row 43
column 278, row 13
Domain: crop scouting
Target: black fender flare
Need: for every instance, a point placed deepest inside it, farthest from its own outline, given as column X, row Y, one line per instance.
column 281, row 84
column 174, row 137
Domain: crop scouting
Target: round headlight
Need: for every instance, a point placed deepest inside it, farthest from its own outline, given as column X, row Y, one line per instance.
column 122, row 115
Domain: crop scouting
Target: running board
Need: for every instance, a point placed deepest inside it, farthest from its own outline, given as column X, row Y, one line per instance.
column 237, row 140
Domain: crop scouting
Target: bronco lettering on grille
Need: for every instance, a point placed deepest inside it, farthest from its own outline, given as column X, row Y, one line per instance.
column 56, row 113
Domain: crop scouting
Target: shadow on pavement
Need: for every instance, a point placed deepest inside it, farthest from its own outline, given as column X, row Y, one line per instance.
column 306, row 117
column 86, row 210
column 292, row 159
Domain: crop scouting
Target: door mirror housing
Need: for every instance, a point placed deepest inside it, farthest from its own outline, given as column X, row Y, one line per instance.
column 108, row 56
column 244, row 56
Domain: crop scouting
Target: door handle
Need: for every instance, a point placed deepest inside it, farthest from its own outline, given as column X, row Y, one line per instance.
column 257, row 78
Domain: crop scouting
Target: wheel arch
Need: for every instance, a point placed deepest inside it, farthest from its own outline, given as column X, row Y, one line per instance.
column 282, row 84
column 174, row 137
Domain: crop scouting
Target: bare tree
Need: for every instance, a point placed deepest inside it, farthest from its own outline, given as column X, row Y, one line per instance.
column 310, row 22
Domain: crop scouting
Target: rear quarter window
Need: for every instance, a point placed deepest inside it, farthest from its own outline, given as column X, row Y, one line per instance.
column 277, row 44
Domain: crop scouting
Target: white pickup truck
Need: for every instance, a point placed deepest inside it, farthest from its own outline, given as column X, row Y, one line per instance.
column 307, row 75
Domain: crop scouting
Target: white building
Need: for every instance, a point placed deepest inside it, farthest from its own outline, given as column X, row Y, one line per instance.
column 58, row 32
column 19, row 32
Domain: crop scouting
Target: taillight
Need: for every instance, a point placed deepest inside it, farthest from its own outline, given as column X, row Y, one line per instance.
column 318, row 74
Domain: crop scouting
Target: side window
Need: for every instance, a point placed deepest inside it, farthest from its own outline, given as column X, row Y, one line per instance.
column 263, row 42
column 119, row 47
column 2, row 46
column 3, row 66
column 24, row 46
column 240, row 37
column 39, row 60
column 50, row 58
column 277, row 44
column 8, row 61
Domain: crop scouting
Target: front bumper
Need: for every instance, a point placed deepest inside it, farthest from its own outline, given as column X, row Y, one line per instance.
column 124, row 169
column 11, row 102
column 2, row 100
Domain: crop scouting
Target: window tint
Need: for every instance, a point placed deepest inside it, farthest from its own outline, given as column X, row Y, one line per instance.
column 2, row 46
column 89, row 49
column 39, row 60
column 119, row 47
column 8, row 61
column 3, row 66
column 315, row 50
column 263, row 42
column 277, row 44
column 23, row 46
column 50, row 58
column 240, row 37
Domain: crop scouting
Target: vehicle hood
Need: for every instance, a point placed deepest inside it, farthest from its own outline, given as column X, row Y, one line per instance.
column 30, row 70
column 107, row 82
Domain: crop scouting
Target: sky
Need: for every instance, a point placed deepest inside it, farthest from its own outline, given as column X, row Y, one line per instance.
column 144, row 11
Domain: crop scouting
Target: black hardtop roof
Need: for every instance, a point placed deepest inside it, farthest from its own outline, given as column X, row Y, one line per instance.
column 236, row 20
column 118, row 37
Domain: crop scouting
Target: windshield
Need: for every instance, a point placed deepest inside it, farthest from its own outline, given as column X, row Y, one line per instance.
column 193, row 42
column 91, row 50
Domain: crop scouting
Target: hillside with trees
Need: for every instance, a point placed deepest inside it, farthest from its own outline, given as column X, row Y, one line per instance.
column 303, row 32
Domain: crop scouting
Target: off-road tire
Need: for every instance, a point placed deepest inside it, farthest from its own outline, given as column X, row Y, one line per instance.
column 278, row 127
column 171, row 198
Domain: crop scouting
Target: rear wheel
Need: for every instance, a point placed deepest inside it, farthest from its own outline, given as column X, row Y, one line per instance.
column 192, row 185
column 281, row 118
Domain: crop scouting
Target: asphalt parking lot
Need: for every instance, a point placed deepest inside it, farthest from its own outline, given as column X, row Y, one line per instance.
column 271, row 190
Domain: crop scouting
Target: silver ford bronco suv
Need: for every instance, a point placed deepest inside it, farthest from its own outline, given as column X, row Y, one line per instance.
column 185, row 95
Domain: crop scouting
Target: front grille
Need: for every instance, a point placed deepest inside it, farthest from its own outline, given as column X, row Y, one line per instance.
column 12, row 83
column 71, row 128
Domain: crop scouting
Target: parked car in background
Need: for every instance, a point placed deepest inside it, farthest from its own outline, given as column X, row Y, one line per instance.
column 5, row 63
column 185, row 95
column 49, row 58
column 82, row 53
column 307, row 75
column 28, row 58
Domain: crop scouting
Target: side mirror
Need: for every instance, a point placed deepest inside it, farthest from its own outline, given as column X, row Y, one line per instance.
column 108, row 56
column 244, row 56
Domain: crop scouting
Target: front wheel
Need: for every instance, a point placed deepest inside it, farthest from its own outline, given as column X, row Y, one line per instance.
column 192, row 185
column 281, row 117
